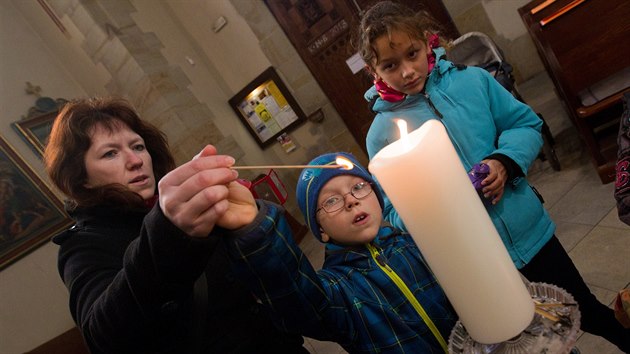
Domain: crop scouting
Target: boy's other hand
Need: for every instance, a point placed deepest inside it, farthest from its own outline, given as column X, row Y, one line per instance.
column 494, row 184
column 241, row 209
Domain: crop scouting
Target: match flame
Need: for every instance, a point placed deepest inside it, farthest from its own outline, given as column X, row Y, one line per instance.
column 344, row 163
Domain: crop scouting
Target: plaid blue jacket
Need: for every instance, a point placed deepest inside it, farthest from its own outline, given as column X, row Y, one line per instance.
column 350, row 301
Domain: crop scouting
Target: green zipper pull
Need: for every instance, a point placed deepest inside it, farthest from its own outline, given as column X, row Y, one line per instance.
column 408, row 294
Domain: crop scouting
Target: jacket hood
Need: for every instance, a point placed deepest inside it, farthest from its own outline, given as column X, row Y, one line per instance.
column 441, row 66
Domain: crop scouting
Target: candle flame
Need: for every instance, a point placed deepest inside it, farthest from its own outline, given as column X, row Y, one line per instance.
column 344, row 162
column 402, row 126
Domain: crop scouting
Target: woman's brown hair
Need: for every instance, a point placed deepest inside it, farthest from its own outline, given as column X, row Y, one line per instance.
column 385, row 17
column 70, row 139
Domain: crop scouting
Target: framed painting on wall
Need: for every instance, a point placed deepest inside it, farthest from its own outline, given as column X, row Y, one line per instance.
column 30, row 214
column 266, row 108
column 35, row 130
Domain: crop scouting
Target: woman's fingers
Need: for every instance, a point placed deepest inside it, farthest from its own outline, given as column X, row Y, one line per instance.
column 208, row 150
column 205, row 160
column 194, row 195
column 184, row 172
column 174, row 189
column 198, row 215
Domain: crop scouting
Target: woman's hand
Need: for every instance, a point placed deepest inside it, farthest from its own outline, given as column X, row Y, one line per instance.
column 242, row 207
column 494, row 184
column 194, row 196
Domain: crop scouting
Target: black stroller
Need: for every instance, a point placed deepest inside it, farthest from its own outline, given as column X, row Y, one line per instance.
column 477, row 49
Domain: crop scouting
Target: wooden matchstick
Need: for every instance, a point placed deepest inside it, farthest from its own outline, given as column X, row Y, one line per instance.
column 284, row 166
column 547, row 315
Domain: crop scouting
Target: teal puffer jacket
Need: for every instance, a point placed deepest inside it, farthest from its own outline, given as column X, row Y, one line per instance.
column 482, row 118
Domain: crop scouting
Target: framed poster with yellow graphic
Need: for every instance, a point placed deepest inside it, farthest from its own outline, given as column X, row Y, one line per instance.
column 266, row 108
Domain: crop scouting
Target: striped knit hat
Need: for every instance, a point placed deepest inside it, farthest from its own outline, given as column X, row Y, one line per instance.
column 312, row 180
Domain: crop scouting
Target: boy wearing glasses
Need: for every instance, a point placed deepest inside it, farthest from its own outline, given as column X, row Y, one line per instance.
column 374, row 293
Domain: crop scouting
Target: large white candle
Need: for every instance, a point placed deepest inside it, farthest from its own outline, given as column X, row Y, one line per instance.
column 429, row 187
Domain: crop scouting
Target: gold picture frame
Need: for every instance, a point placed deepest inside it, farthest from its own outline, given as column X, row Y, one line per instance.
column 35, row 130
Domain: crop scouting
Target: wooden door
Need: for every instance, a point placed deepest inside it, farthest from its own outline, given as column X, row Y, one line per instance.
column 320, row 30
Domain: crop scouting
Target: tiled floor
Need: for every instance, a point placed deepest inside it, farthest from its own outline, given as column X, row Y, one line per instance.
column 583, row 209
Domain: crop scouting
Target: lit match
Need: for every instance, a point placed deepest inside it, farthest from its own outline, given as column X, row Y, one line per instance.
column 340, row 163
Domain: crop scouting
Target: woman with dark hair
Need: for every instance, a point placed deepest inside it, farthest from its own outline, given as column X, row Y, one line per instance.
column 146, row 270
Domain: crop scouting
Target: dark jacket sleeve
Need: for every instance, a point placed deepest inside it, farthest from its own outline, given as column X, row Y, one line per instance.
column 129, row 296
column 268, row 260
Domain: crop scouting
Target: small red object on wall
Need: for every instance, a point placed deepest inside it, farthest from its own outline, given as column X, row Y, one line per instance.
column 269, row 187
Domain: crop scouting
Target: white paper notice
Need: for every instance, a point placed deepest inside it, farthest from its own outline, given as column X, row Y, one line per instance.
column 355, row 63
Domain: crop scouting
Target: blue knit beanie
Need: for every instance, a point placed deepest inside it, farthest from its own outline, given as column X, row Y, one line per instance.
column 312, row 180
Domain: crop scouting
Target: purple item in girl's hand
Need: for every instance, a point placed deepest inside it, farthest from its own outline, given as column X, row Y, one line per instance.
column 478, row 173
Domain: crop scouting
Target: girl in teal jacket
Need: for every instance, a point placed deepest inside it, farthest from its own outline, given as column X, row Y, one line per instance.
column 413, row 81
column 502, row 128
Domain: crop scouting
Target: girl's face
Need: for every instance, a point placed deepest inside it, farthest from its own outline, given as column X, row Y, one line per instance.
column 357, row 222
column 119, row 157
column 401, row 62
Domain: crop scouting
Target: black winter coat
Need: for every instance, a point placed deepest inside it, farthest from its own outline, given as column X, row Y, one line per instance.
column 131, row 276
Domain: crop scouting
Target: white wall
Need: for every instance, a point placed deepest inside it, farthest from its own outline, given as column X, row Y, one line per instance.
column 33, row 300
column 505, row 18
column 503, row 14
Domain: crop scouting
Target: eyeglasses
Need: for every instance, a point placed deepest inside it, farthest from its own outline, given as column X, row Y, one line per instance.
column 336, row 202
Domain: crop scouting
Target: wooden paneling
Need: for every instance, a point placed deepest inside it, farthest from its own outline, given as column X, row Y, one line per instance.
column 581, row 43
